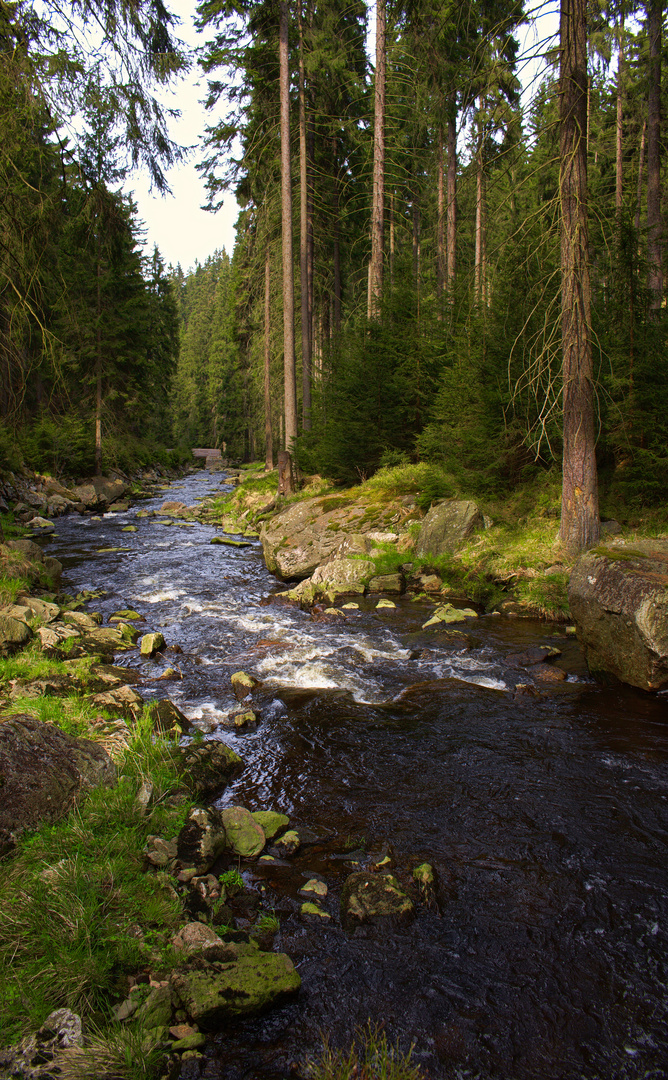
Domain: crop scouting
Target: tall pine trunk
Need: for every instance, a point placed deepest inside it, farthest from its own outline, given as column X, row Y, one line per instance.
column 654, row 225
column 303, row 237
column 480, row 212
column 440, row 228
column 579, row 505
column 290, row 384
column 620, row 116
column 378, row 204
column 452, row 201
column 268, row 434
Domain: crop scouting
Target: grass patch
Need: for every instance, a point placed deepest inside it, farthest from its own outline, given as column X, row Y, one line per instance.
column 78, row 910
column 11, row 587
column 371, row 1057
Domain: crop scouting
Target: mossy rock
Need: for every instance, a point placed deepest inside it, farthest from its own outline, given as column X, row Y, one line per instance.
column 245, row 837
column 373, row 898
column 271, row 822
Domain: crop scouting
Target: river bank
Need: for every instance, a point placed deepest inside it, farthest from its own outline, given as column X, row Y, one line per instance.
column 360, row 718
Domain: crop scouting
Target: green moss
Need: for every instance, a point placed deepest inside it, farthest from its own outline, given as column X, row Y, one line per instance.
column 336, row 502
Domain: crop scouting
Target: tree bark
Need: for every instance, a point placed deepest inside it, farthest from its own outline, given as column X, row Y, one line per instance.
column 620, row 115
column 336, row 242
column 654, row 224
column 378, row 203
column 579, row 506
column 479, row 212
column 286, row 479
column 290, row 384
column 268, row 434
column 303, row 237
column 98, row 361
column 440, row 228
column 452, row 201
column 641, row 166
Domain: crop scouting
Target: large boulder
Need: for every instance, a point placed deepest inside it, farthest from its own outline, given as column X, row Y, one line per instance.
column 297, row 540
column 618, row 596
column 447, row 526
column 42, row 771
column 245, row 837
column 99, row 492
column 246, row 982
column 342, row 576
column 14, row 634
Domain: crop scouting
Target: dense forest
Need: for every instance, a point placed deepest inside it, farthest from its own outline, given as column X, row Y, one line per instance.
column 451, row 250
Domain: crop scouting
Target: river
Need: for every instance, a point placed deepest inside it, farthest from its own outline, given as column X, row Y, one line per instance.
column 546, row 818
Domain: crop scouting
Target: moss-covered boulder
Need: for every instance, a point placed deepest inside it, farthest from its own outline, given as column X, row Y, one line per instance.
column 244, row 836
column 247, row 982
column 271, row 822
column 447, row 526
column 374, row 898
column 14, row 634
column 342, row 576
column 243, row 684
column 150, row 644
column 618, row 596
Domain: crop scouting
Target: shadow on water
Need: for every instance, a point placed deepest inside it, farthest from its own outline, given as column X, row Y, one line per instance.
column 544, row 817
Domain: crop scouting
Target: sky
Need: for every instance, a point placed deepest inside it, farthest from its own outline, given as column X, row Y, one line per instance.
column 176, row 223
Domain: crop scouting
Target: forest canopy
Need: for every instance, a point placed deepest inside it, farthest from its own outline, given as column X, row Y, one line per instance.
column 396, row 291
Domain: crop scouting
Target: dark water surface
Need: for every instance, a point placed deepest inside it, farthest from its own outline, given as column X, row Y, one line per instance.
column 546, row 819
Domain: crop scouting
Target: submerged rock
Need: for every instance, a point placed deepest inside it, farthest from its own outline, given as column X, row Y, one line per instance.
column 448, row 614
column 150, row 644
column 618, row 596
column 372, row 898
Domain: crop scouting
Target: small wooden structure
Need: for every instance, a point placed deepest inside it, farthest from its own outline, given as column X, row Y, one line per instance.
column 198, row 452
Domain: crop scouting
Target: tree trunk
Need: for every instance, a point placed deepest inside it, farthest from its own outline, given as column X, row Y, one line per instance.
column 452, row 201
column 440, row 229
column 480, row 195
column 620, row 113
column 641, row 165
column 378, row 204
column 286, row 479
column 579, row 506
column 303, row 237
column 336, row 243
column 290, row 385
column 268, row 435
column 98, row 362
column 654, row 230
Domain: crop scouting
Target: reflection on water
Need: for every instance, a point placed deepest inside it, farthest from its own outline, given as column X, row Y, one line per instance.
column 545, row 818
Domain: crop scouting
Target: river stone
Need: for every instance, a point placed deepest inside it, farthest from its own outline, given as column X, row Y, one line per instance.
column 297, row 540
column 244, row 836
column 242, row 684
column 389, row 604
column 167, row 717
column 342, row 576
column 196, row 937
column 449, row 614
column 392, row 583
column 618, row 596
column 208, row 767
column 150, row 644
column 32, row 1058
column 271, row 822
column 314, row 889
column 372, row 898
column 447, row 526
column 249, row 982
column 81, row 619
column 14, row 634
column 42, row 771
column 288, row 843
column 122, row 699
column 53, row 568
column 34, row 608
column 201, row 839
column 313, row 913
column 42, row 524
column 126, row 614
column 129, row 633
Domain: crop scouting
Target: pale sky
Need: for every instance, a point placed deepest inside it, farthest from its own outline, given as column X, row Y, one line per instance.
column 182, row 231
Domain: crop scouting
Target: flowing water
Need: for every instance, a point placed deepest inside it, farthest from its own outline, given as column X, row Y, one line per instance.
column 546, row 818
